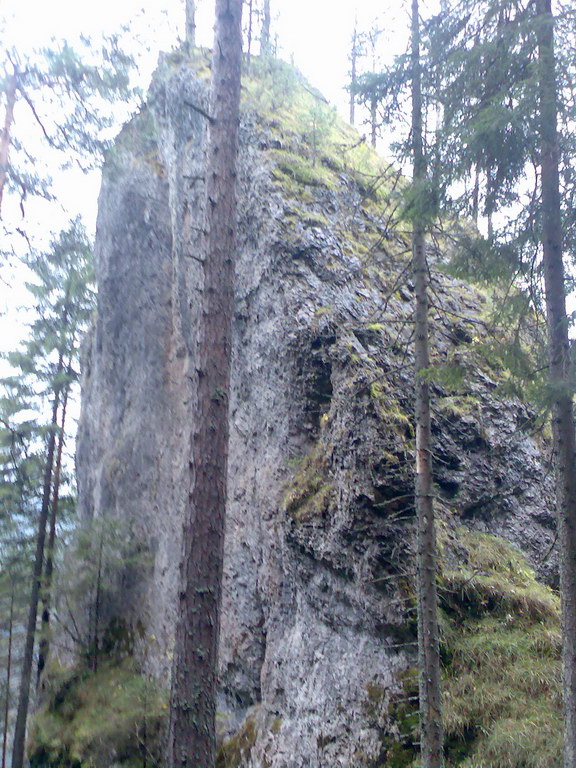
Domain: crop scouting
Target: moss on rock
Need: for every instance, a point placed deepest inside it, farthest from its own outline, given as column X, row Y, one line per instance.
column 501, row 649
column 310, row 492
column 502, row 687
column 112, row 716
column 236, row 750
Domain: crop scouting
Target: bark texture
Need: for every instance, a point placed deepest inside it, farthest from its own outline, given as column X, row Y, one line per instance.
column 431, row 737
column 560, row 372
column 193, row 704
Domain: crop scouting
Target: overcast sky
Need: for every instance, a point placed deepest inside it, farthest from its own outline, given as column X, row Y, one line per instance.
column 315, row 34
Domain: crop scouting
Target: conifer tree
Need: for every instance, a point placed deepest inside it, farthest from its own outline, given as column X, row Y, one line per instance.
column 431, row 734
column 194, row 672
column 64, row 302
column 560, row 367
column 405, row 79
column 505, row 127
column 65, row 94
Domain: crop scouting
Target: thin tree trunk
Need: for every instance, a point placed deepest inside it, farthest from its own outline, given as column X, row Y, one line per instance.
column 476, row 196
column 559, row 357
column 373, row 117
column 97, row 601
column 5, row 136
column 353, row 74
column 249, row 41
column 265, row 32
column 190, row 24
column 194, row 673
column 8, row 678
column 490, row 194
column 44, row 646
column 431, row 736
column 26, row 675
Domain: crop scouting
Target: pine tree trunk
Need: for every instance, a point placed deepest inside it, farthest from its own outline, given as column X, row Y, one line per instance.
column 265, row 33
column 26, row 675
column 353, row 75
column 249, row 40
column 44, row 646
column 431, row 736
column 8, row 678
column 5, row 137
column 97, row 602
column 476, row 196
column 194, row 673
column 190, row 24
column 559, row 360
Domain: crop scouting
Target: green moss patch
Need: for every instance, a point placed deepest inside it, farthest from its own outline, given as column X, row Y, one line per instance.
column 501, row 651
column 302, row 171
column 502, row 686
column 237, row 750
column 115, row 715
column 311, row 492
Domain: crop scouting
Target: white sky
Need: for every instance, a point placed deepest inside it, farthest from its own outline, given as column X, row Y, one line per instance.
column 314, row 33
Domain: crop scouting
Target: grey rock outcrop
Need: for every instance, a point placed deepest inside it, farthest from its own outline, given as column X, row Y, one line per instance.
column 316, row 606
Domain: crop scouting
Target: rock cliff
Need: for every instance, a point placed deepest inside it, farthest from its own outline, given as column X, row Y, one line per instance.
column 317, row 644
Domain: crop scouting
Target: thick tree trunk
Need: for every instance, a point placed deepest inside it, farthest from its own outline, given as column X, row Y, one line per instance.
column 6, row 136
column 265, row 33
column 44, row 646
column 194, row 674
column 560, row 374
column 26, row 675
column 190, row 23
column 431, row 736
column 8, row 679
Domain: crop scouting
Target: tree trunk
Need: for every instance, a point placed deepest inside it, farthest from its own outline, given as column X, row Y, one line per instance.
column 265, row 33
column 431, row 737
column 44, row 647
column 373, row 117
column 26, row 675
column 559, row 360
column 97, row 601
column 476, row 196
column 190, row 24
column 353, row 74
column 249, row 40
column 5, row 137
column 8, row 678
column 194, row 673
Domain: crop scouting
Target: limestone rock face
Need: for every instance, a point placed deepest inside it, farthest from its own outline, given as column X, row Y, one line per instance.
column 317, row 625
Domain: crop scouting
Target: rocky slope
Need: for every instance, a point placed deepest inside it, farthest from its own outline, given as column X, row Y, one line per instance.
column 317, row 641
